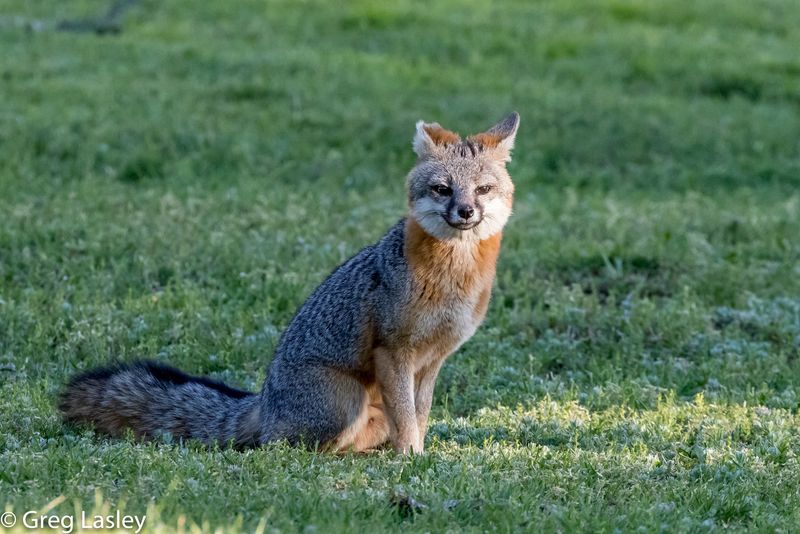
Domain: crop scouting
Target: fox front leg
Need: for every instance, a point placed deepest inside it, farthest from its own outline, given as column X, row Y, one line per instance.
column 396, row 379
column 423, row 397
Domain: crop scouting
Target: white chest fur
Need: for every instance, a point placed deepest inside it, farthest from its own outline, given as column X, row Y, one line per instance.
column 439, row 330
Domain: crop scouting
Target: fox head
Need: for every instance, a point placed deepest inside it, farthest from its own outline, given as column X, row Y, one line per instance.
column 459, row 188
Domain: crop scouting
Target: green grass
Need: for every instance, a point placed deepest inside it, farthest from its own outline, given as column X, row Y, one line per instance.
column 177, row 190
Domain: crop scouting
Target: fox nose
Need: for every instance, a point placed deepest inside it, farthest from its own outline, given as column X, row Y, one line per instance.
column 465, row 212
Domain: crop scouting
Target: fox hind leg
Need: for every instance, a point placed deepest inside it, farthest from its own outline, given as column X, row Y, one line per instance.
column 313, row 405
column 375, row 433
column 370, row 430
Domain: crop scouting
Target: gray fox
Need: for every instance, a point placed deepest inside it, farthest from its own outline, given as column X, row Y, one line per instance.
column 356, row 366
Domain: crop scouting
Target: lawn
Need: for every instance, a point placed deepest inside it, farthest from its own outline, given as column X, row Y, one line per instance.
column 176, row 190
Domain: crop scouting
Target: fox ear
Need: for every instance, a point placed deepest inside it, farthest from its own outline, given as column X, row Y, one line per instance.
column 499, row 139
column 430, row 136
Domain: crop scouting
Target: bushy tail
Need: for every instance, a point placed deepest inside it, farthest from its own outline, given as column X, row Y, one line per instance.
column 153, row 399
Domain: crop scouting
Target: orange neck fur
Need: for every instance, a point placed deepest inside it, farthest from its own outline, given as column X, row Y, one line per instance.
column 441, row 267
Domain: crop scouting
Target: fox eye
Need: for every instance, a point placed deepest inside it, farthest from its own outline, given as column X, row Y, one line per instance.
column 441, row 189
column 482, row 190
